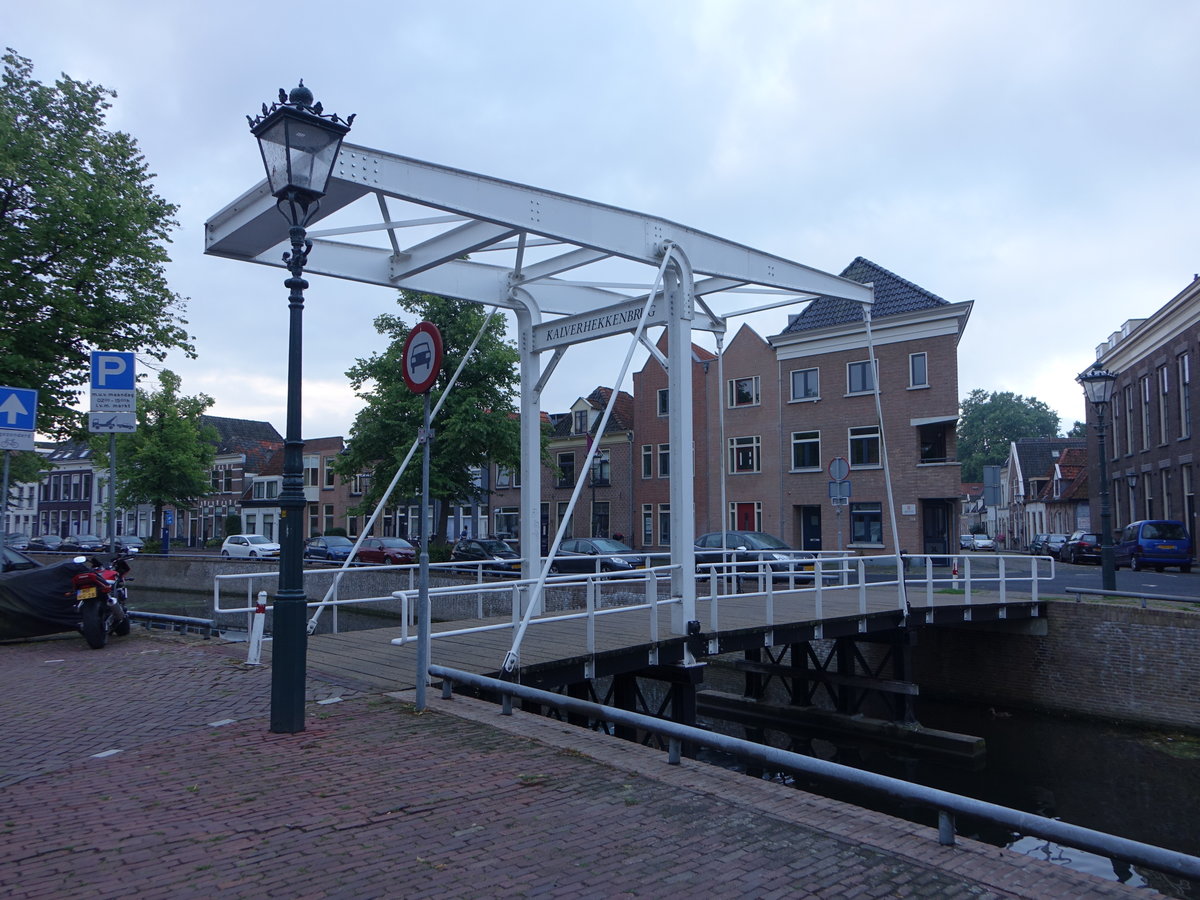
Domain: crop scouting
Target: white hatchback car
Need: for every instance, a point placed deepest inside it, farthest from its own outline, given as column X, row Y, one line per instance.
column 249, row 545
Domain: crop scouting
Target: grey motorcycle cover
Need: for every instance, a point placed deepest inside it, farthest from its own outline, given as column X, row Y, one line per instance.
column 38, row 601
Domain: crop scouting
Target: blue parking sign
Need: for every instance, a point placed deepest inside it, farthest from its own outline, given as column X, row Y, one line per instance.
column 18, row 408
column 112, row 371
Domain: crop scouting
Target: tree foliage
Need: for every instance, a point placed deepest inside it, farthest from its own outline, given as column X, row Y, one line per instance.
column 990, row 422
column 168, row 460
column 478, row 423
column 82, row 243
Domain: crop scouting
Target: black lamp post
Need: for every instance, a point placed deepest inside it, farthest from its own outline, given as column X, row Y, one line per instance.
column 1098, row 386
column 299, row 145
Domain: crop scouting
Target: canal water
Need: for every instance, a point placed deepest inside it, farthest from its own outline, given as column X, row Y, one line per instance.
column 1138, row 784
column 1135, row 783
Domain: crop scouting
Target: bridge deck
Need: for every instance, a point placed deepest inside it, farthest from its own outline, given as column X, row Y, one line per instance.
column 554, row 650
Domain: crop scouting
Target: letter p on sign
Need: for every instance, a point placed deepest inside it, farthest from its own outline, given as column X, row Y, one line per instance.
column 112, row 371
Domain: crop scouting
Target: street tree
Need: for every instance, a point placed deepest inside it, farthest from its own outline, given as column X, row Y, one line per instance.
column 478, row 423
column 83, row 239
column 168, row 460
column 990, row 422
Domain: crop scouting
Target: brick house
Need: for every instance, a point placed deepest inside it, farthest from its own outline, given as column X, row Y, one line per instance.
column 1025, row 475
column 329, row 500
column 827, row 409
column 243, row 448
column 1152, row 441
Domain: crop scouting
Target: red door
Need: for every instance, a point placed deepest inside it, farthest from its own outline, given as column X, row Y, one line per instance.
column 744, row 516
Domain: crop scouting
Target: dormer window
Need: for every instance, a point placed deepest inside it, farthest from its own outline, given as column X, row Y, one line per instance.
column 581, row 421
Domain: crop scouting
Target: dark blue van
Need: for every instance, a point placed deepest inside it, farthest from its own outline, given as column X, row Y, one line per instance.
column 1154, row 542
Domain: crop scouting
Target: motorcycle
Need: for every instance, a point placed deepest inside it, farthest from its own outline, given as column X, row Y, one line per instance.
column 100, row 597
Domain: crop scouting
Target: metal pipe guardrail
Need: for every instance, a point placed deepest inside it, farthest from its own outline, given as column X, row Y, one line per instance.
column 207, row 627
column 1081, row 592
column 945, row 803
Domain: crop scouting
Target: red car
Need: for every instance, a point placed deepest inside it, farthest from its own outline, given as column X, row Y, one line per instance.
column 386, row 551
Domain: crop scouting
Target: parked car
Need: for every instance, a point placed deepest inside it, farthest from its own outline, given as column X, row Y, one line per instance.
column 83, row 543
column 1081, row 546
column 1154, row 542
column 966, row 542
column 385, row 551
column 18, row 540
column 1047, row 544
column 13, row 560
column 332, row 548
column 595, row 554
column 249, row 546
column 130, row 543
column 747, row 552
column 982, row 542
column 45, row 542
column 493, row 555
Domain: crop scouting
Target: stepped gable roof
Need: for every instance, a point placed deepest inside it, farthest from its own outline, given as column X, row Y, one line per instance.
column 256, row 441
column 893, row 295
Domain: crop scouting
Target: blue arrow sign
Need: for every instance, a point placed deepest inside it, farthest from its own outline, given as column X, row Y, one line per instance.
column 18, row 408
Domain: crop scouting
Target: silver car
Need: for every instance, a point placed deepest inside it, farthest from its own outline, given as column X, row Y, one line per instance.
column 249, row 546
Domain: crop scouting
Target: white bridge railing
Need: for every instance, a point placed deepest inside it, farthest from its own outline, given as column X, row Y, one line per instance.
column 783, row 587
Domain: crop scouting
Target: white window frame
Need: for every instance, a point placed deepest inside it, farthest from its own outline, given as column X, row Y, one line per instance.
column 742, row 444
column 806, row 438
column 912, row 370
column 752, row 383
column 816, row 379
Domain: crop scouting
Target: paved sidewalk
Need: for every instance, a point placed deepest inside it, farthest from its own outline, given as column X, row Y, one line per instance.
column 146, row 769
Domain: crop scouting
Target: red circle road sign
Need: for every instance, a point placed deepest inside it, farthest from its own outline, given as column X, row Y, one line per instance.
column 422, row 357
column 839, row 468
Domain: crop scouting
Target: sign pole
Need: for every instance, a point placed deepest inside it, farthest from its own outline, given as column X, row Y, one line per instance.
column 112, row 492
column 4, row 508
column 422, row 363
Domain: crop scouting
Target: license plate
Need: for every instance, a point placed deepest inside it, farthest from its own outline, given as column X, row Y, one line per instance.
column 1166, row 546
column 86, row 593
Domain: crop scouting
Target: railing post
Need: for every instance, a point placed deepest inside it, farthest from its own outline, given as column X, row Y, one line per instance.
column 1003, row 584
column 862, row 588
column 929, row 581
column 945, row 828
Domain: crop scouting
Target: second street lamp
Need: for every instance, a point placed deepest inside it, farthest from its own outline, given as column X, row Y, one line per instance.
column 1098, row 386
column 299, row 146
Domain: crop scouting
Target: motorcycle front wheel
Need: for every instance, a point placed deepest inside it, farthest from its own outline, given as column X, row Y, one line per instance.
column 95, row 625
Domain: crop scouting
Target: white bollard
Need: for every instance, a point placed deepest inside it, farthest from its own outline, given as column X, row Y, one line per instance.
column 256, row 630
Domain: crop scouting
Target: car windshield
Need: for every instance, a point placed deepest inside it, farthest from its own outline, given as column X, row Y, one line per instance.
column 758, row 540
column 496, row 548
column 337, row 541
column 257, row 539
column 609, row 545
column 395, row 542
column 87, row 537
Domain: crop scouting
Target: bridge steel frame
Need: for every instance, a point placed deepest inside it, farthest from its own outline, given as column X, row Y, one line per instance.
column 456, row 216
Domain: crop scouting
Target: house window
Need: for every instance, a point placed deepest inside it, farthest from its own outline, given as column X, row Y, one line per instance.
column 601, row 471
column 647, row 461
column 866, row 523
column 1163, row 405
column 1183, row 365
column 647, row 525
column 1165, row 478
column 581, row 421
column 503, row 477
column 328, row 507
column 1129, row 418
column 664, row 523
column 1189, row 497
column 568, row 532
column 360, row 483
column 864, row 446
column 743, row 391
column 858, row 377
column 664, row 460
column 329, row 473
column 918, row 370
column 744, row 454
column 664, row 401
column 806, row 450
column 600, row 518
column 566, row 469
column 806, row 384
column 1146, row 412
column 933, row 443
column 311, row 470
column 507, row 521
column 1116, row 428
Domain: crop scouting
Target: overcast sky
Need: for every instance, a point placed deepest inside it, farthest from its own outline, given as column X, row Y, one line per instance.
column 1039, row 158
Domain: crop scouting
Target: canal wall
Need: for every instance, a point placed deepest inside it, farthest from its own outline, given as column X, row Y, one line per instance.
column 1118, row 663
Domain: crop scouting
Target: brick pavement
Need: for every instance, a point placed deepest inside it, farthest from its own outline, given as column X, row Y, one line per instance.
column 376, row 800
